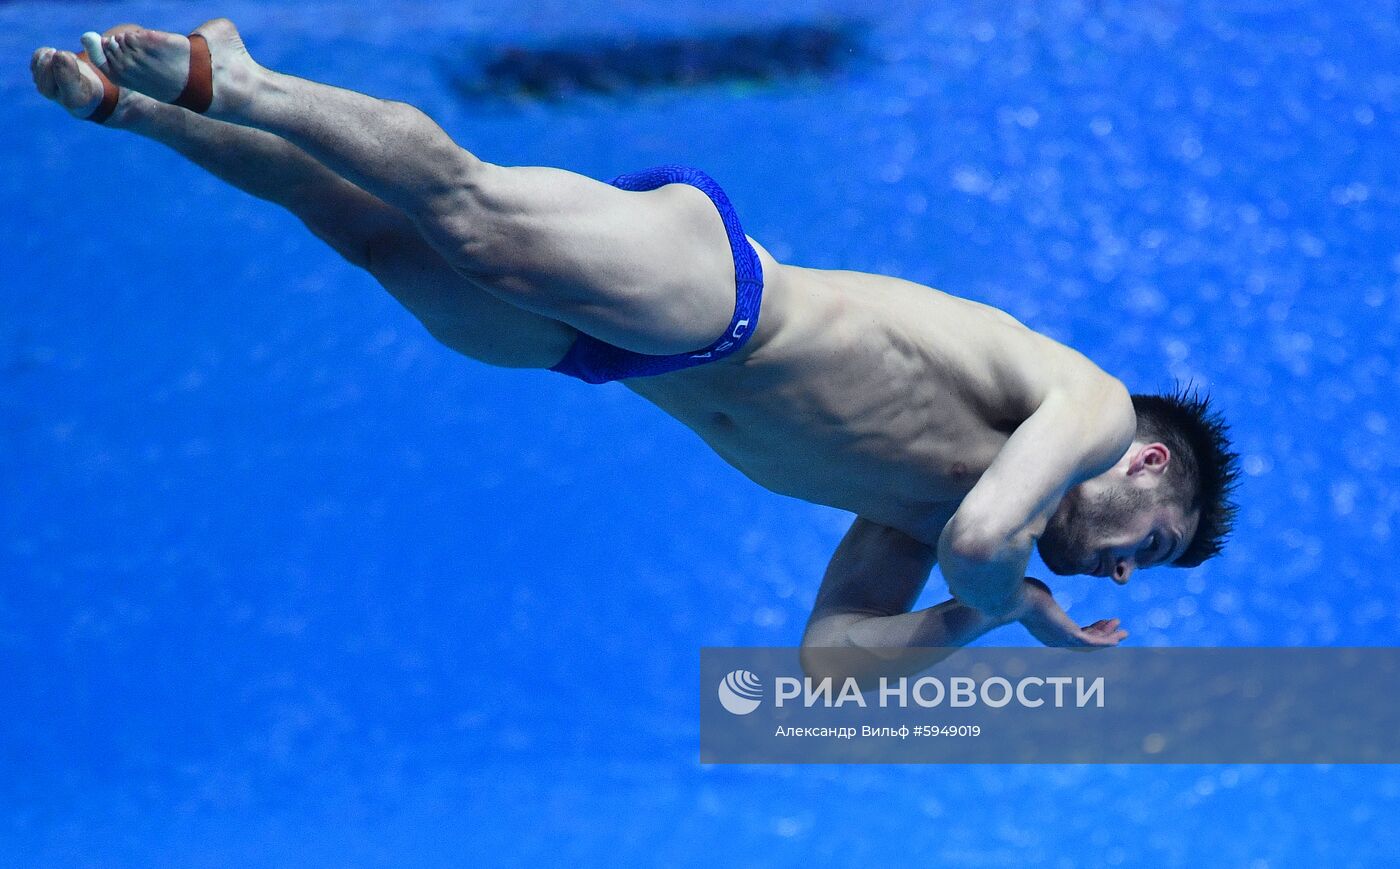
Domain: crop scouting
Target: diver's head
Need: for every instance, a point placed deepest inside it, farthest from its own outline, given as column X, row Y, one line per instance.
column 1166, row 501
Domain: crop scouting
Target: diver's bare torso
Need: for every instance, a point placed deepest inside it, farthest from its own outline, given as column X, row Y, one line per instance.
column 870, row 394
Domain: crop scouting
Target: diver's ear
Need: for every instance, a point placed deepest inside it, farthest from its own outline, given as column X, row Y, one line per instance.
column 1153, row 458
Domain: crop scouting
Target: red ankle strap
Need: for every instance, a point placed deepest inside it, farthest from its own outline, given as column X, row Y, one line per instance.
column 199, row 89
column 110, row 93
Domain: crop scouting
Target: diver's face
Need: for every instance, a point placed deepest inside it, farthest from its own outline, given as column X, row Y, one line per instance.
column 1112, row 529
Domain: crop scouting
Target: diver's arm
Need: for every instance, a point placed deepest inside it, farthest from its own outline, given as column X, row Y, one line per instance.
column 1050, row 624
column 984, row 549
column 861, row 624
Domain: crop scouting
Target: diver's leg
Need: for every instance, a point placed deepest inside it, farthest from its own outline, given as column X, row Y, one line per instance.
column 650, row 272
column 364, row 230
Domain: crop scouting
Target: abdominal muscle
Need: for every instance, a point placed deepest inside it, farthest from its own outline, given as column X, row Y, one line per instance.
column 859, row 392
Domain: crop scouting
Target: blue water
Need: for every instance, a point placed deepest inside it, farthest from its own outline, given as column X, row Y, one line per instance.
column 284, row 583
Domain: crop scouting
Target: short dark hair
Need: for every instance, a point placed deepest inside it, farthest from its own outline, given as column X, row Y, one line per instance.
column 1207, row 471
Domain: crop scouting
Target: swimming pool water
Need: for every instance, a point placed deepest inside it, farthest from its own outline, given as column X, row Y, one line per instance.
column 287, row 584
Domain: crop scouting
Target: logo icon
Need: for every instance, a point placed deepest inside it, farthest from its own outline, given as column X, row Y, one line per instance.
column 740, row 692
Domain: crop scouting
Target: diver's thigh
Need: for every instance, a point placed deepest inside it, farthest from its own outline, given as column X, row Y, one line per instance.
column 649, row 271
column 461, row 314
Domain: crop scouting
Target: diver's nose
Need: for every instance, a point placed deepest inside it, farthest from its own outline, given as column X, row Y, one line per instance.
column 1122, row 569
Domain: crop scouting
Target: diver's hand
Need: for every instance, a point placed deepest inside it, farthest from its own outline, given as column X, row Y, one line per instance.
column 1050, row 624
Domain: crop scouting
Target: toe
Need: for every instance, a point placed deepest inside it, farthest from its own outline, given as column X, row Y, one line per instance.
column 48, row 83
column 42, row 68
column 39, row 62
column 69, row 80
column 63, row 81
column 118, row 57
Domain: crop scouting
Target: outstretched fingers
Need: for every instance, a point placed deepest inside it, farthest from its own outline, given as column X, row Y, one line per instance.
column 1105, row 632
column 1103, row 624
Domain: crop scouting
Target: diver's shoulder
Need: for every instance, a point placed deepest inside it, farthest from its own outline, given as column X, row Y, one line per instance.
column 1100, row 401
column 1108, row 420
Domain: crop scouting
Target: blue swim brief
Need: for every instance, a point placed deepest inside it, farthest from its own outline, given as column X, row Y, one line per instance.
column 595, row 361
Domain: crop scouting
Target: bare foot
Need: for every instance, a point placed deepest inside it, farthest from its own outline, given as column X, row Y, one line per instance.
column 63, row 78
column 59, row 76
column 157, row 64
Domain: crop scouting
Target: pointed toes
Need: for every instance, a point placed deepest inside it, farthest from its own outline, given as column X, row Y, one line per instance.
column 39, row 61
column 135, row 41
column 119, row 54
column 69, row 80
column 41, row 68
column 63, row 63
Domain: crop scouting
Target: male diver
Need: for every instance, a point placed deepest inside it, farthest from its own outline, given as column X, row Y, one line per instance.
column 956, row 435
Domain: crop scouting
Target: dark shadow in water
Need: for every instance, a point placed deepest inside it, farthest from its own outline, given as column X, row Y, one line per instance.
column 619, row 66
